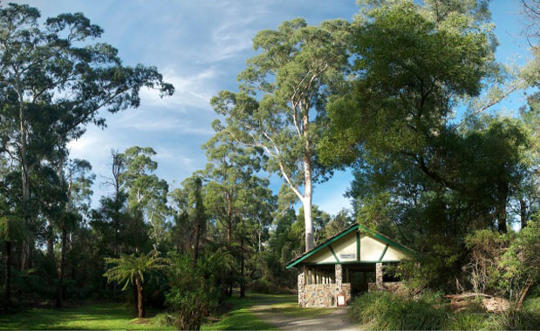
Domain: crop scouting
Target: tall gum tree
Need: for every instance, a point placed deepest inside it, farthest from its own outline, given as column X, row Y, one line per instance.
column 146, row 192
column 53, row 72
column 280, row 106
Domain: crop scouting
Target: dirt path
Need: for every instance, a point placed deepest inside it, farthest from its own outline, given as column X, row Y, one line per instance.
column 292, row 318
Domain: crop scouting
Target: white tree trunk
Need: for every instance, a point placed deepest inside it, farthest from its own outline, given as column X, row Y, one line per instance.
column 308, row 220
column 307, row 184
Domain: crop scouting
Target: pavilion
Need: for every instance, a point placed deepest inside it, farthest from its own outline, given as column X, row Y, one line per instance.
column 348, row 263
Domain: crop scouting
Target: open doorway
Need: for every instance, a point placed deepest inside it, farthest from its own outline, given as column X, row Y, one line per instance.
column 359, row 275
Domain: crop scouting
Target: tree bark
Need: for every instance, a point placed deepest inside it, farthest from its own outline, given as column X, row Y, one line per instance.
column 140, row 308
column 197, row 239
column 135, row 298
column 523, row 212
column 25, row 183
column 242, row 269
column 307, row 201
column 60, row 289
column 50, row 242
column 501, row 208
column 116, row 172
column 7, row 272
column 229, row 219
column 308, row 223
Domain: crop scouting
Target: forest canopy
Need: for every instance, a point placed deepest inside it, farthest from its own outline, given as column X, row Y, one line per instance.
column 404, row 95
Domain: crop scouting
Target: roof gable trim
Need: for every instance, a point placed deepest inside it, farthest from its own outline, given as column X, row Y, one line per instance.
column 327, row 243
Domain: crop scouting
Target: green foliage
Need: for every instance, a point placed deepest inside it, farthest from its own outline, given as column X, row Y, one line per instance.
column 386, row 311
column 195, row 287
column 147, row 193
column 520, row 263
column 280, row 109
column 467, row 321
column 127, row 268
column 514, row 320
column 409, row 71
column 11, row 229
column 486, row 249
column 505, row 264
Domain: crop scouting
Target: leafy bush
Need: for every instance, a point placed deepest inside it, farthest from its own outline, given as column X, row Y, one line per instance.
column 532, row 304
column 466, row 321
column 268, row 287
column 514, row 320
column 263, row 286
column 505, row 264
column 196, row 287
column 386, row 311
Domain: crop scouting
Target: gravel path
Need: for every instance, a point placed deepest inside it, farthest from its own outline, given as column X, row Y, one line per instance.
column 334, row 320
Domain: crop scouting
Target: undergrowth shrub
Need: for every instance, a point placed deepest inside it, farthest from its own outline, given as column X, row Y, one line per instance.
column 514, row 320
column 387, row 311
column 267, row 287
column 466, row 321
column 196, row 288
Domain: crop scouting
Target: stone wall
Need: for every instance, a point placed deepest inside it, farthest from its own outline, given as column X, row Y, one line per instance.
column 302, row 288
column 323, row 295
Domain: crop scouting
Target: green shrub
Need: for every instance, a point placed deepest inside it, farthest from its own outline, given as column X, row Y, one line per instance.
column 196, row 288
column 514, row 320
column 532, row 304
column 263, row 286
column 466, row 321
column 386, row 311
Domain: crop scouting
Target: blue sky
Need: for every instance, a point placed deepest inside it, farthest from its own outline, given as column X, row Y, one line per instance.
column 200, row 47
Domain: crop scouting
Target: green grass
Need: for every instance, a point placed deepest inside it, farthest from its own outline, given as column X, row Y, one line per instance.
column 119, row 316
column 240, row 317
column 291, row 309
column 90, row 316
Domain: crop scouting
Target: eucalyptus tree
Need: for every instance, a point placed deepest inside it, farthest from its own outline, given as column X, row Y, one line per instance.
column 11, row 230
column 53, row 75
column 280, row 108
column 146, row 192
column 230, row 173
column 237, row 198
column 257, row 205
column 190, row 216
column 77, row 180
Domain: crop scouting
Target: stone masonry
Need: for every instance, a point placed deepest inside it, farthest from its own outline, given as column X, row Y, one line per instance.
column 302, row 287
column 322, row 295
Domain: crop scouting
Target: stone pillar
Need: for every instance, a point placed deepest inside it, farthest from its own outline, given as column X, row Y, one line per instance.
column 339, row 276
column 339, row 283
column 302, row 287
column 379, row 276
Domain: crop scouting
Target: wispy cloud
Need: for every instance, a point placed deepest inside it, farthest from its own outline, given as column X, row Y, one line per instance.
column 190, row 90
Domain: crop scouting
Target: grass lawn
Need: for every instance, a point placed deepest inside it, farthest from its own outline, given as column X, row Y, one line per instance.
column 291, row 309
column 240, row 317
column 89, row 316
column 119, row 316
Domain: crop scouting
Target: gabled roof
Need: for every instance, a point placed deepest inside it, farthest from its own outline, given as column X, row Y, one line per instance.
column 352, row 228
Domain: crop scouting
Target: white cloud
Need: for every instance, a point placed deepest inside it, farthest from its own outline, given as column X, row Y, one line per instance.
column 231, row 39
column 190, row 90
column 158, row 121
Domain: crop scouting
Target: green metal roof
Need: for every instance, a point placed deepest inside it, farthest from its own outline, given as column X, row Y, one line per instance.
column 345, row 232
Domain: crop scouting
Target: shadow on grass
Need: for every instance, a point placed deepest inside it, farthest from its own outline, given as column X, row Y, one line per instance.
column 90, row 316
column 240, row 316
